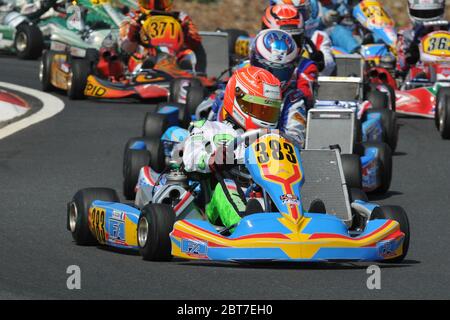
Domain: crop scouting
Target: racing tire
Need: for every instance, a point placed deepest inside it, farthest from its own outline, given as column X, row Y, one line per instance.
column 45, row 71
column 134, row 160
column 389, row 125
column 28, row 41
column 351, row 165
column 155, row 124
column 184, row 118
column 442, row 113
column 80, row 70
column 384, row 165
column 154, row 226
column 155, row 147
column 378, row 99
column 398, row 214
column 78, row 211
column 195, row 95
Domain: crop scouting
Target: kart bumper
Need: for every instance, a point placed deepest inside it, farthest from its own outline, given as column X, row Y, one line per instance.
column 195, row 239
column 99, row 88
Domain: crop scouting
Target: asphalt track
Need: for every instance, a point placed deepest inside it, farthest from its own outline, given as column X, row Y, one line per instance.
column 42, row 167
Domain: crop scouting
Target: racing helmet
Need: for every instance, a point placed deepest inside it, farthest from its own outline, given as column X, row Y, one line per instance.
column 426, row 10
column 285, row 17
column 277, row 52
column 162, row 5
column 252, row 99
column 305, row 7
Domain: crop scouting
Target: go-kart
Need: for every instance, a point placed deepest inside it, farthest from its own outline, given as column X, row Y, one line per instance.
column 27, row 30
column 341, row 118
column 427, row 86
column 280, row 183
column 86, row 72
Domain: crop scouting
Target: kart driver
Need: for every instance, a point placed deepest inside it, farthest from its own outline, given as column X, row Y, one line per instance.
column 318, row 41
column 426, row 16
column 252, row 101
column 132, row 36
column 277, row 52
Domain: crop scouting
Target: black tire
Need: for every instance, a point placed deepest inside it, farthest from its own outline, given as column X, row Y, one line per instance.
column 159, row 219
column 128, row 145
column 351, row 165
column 81, row 202
column 155, row 124
column 80, row 70
column 442, row 112
column 195, row 96
column 155, row 147
column 389, row 125
column 184, row 118
column 385, row 165
column 378, row 99
column 28, row 41
column 45, row 71
column 398, row 214
column 391, row 98
column 133, row 162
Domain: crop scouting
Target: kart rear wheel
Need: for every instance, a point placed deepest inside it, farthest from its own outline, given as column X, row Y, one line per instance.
column 134, row 160
column 195, row 96
column 389, row 125
column 28, row 41
column 155, row 124
column 384, row 165
column 398, row 214
column 442, row 113
column 155, row 224
column 78, row 74
column 78, row 211
column 184, row 118
column 351, row 165
column 45, row 71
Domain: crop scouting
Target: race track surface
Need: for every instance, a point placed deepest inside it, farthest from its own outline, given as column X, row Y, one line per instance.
column 42, row 167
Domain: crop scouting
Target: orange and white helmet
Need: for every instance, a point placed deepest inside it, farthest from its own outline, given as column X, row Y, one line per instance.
column 252, row 99
column 162, row 5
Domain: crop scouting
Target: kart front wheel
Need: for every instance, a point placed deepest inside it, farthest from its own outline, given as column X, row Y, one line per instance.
column 351, row 165
column 155, row 224
column 134, row 160
column 398, row 214
column 155, row 124
column 45, row 71
column 78, row 212
column 77, row 80
column 442, row 113
column 28, row 41
column 378, row 99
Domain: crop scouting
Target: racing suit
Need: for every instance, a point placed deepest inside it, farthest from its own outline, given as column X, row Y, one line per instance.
column 131, row 31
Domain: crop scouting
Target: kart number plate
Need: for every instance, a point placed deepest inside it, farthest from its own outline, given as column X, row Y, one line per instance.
column 163, row 31
column 437, row 44
column 277, row 156
column 97, row 224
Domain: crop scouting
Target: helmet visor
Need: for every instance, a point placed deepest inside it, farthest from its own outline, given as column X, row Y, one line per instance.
column 427, row 14
column 264, row 109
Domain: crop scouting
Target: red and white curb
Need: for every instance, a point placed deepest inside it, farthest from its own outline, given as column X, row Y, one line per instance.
column 11, row 106
column 50, row 107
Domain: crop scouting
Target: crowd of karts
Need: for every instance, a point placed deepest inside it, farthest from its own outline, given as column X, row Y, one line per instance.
column 303, row 200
